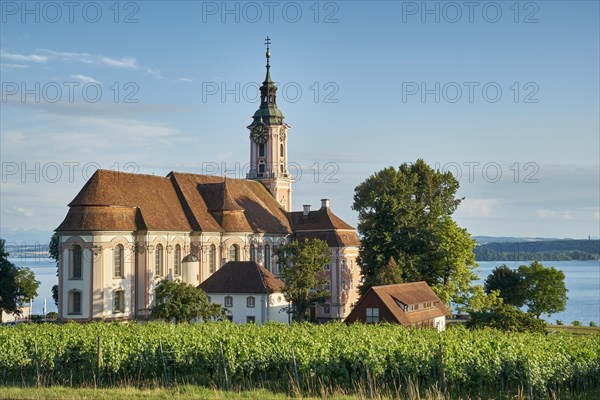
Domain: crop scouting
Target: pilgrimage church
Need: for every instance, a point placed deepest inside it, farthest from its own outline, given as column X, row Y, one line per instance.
column 124, row 232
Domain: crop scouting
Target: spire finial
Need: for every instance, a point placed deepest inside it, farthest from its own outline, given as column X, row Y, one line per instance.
column 268, row 54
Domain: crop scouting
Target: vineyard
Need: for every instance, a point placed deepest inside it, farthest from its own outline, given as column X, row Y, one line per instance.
column 298, row 358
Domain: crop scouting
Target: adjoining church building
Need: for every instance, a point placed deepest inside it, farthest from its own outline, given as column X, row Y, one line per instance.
column 125, row 232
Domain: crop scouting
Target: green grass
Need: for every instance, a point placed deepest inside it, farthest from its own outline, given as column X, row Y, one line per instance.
column 186, row 392
column 575, row 330
column 180, row 392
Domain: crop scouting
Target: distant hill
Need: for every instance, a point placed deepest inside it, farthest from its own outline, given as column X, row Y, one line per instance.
column 503, row 239
column 542, row 250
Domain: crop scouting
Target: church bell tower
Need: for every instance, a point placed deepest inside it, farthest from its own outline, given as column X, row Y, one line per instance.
column 268, row 143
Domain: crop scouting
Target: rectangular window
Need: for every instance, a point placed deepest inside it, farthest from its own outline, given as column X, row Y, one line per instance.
column 177, row 263
column 250, row 302
column 327, row 267
column 250, row 319
column 119, row 302
column 212, row 259
column 75, row 264
column 208, row 297
column 372, row 315
column 74, row 302
column 327, row 286
column 326, row 309
column 228, row 301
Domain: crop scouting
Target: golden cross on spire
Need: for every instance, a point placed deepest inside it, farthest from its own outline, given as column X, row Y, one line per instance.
column 268, row 54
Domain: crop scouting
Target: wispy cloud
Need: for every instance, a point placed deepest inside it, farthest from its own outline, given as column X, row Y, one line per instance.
column 87, row 58
column 182, row 79
column 85, row 78
column 21, row 211
column 553, row 214
column 15, row 66
column 46, row 55
column 35, row 58
column 477, row 207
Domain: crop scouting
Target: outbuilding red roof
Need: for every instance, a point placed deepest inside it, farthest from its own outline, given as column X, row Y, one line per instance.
column 242, row 277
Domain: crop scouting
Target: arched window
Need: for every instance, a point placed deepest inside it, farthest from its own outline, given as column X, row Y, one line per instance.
column 267, row 257
column 261, row 150
column 252, row 252
column 177, row 263
column 234, row 253
column 212, row 259
column 118, row 301
column 158, row 261
column 261, row 168
column 75, row 270
column 74, row 302
column 119, row 261
column 228, row 301
column 250, row 302
column 281, row 150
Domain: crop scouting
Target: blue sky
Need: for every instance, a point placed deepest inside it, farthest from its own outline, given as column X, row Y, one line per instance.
column 503, row 94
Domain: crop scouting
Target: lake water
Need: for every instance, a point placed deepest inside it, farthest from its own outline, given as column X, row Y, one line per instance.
column 582, row 279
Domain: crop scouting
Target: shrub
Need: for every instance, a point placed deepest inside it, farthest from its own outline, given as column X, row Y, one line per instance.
column 592, row 323
column 506, row 318
column 576, row 323
column 559, row 322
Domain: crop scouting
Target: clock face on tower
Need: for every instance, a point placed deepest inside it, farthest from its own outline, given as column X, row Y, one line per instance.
column 260, row 133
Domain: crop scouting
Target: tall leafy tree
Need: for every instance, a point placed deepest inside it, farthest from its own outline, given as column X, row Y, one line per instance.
column 54, row 250
column 508, row 282
column 302, row 266
column 182, row 302
column 543, row 289
column 17, row 285
column 404, row 214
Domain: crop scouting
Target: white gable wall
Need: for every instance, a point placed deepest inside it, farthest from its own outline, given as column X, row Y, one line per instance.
column 267, row 307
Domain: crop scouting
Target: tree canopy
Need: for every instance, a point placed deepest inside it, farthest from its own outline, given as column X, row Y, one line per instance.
column 508, row 282
column 404, row 215
column 17, row 285
column 182, row 302
column 302, row 269
column 54, row 250
column 539, row 288
column 543, row 288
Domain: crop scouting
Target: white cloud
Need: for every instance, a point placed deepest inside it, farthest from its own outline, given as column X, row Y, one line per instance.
column 553, row 214
column 184, row 79
column 85, row 78
column 477, row 208
column 35, row 58
column 22, row 211
column 125, row 62
column 15, row 66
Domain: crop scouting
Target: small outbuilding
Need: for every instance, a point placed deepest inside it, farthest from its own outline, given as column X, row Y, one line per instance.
column 248, row 291
column 410, row 304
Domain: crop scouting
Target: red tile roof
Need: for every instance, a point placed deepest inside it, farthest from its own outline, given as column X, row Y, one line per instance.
column 121, row 201
column 242, row 277
column 407, row 294
column 325, row 225
column 154, row 196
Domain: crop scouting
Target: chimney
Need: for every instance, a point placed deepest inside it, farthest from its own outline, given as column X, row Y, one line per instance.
column 324, row 203
column 306, row 209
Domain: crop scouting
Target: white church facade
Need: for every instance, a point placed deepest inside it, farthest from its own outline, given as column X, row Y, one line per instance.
column 125, row 232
